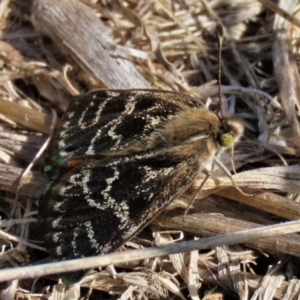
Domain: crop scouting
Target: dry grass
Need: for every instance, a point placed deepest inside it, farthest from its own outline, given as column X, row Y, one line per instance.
column 168, row 45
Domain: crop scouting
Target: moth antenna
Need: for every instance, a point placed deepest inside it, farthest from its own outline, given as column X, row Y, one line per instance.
column 220, row 38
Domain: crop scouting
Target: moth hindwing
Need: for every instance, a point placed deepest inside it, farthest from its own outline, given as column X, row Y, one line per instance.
column 123, row 156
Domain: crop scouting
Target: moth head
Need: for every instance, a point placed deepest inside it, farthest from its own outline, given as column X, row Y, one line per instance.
column 231, row 131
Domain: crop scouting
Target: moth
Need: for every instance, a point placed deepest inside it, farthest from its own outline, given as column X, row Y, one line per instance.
column 122, row 156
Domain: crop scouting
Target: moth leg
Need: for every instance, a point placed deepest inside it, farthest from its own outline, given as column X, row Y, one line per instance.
column 222, row 167
column 196, row 195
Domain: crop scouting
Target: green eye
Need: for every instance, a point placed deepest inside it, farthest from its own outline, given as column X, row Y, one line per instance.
column 226, row 139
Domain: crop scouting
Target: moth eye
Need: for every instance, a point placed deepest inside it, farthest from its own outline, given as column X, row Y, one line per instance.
column 226, row 139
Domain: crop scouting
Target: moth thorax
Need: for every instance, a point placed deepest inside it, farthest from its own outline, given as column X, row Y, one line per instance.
column 231, row 131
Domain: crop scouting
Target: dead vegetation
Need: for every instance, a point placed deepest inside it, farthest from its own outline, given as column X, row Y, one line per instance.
column 52, row 49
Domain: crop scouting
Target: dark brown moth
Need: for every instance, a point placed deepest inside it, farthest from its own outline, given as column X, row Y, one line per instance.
column 122, row 157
